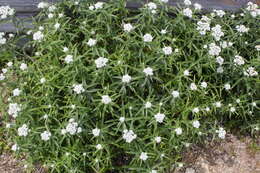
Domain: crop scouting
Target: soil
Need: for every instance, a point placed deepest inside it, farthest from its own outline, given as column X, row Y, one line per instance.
column 232, row 155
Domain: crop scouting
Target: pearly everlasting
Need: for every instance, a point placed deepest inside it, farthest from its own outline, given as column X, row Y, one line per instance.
column 157, row 139
column 221, row 133
column 148, row 105
column 147, row 38
column 15, row 147
column 38, row 36
column 91, row 42
column 148, row 71
column 57, row 26
column 43, row 5
column 250, row 72
column 23, row 66
column 43, row 80
column 197, row 6
column 187, row 2
column 196, row 124
column 98, row 5
column 204, row 84
column 129, row 135
column 178, row 131
column 99, row 147
column 68, row 59
column 242, row 28
column 128, row 27
column 219, row 13
column 6, row 11
column 45, row 136
column 193, row 86
column 227, row 86
column 106, row 99
column 14, row 109
column 195, row 110
column 214, row 49
column 101, row 62
column 126, row 78
column 175, row 94
column 23, row 130
column 16, row 92
column 187, row 12
column 217, row 32
column 143, row 156
column 167, row 50
column 220, row 60
column 78, row 88
column 96, row 132
column 159, row 117
column 151, row 6
column 239, row 60
column 218, row 104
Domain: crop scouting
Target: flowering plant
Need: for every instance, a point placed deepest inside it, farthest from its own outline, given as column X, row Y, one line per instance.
column 107, row 90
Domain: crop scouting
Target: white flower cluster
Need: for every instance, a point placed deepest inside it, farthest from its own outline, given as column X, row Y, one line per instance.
column 217, row 32
column 126, row 78
column 187, row 12
column 148, row 71
column 68, row 59
column 214, row 49
column 239, row 60
column 14, row 109
column 253, row 9
column 23, row 130
column 72, row 128
column 159, row 117
column 148, row 38
column 219, row 13
column 221, row 133
column 106, row 99
column 43, row 5
column 250, row 72
column 167, row 50
column 101, row 62
column 143, row 156
column 2, row 39
column 96, row 6
column 203, row 25
column 129, row 135
column 127, row 27
column 152, row 7
column 78, row 88
column 38, row 36
column 242, row 28
column 6, row 11
column 91, row 42
column 45, row 136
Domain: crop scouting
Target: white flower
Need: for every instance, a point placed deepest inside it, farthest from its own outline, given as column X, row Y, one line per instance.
column 187, row 12
column 158, row 139
column 151, row 6
column 159, row 117
column 242, row 28
column 218, row 104
column 2, row 77
column 128, row 27
column 101, row 62
column 63, row 131
column 232, row 109
column 99, row 5
column 99, row 147
column 23, row 66
column 227, row 86
column 106, row 99
column 60, row 15
column 153, row 171
column 23, row 130
column 204, row 84
column 175, row 94
column 57, row 26
column 91, row 7
column 257, row 47
column 219, row 60
column 14, row 109
column 186, row 73
column 220, row 69
column 96, row 132
column 72, row 128
column 219, row 13
column 148, row 38
column 148, row 71
column 163, row 31
column 8, row 125
column 43, row 5
column 45, row 116
column 45, row 136
column 239, row 60
column 68, row 59
column 6, row 11
column 143, row 156
column 187, row 2
column 196, row 124
column 203, row 26
column 217, row 32
column 221, row 133
column 41, row 28
column 148, row 105
column 52, row 8
column 65, row 49
column 78, row 88
column 238, row 100
column 164, row 1
column 197, row 6
column 178, row 131
column 38, row 36
column 214, row 49
column 196, row 110
column 129, row 135
column 193, row 86
column 122, row 119
column 167, row 50
column 43, row 80
column 15, row 147
column 250, row 72
column 10, row 64
column 16, row 92
column 91, row 42
column 126, row 78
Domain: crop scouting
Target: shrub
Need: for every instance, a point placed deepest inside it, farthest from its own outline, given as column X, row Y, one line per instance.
column 107, row 89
